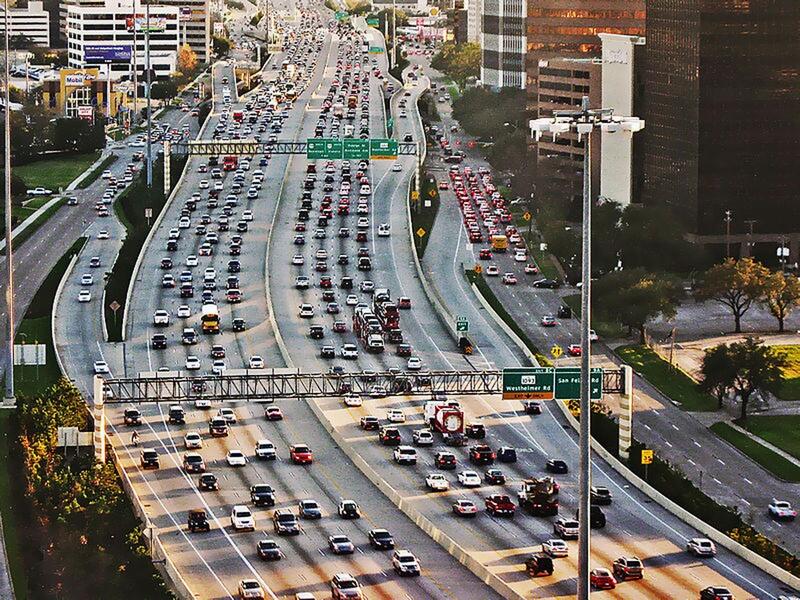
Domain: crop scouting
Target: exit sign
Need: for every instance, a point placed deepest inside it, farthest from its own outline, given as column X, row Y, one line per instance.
column 548, row 383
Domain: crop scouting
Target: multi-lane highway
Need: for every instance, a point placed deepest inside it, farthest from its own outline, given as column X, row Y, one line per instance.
column 276, row 210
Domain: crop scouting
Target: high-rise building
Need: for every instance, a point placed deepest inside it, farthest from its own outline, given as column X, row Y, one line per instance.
column 722, row 106
column 31, row 24
column 460, row 29
column 503, row 43
column 195, row 25
column 474, row 17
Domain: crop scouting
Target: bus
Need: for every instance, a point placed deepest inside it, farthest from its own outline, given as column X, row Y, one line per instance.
column 209, row 319
column 499, row 243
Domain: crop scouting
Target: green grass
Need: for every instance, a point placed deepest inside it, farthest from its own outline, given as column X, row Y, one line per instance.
column 790, row 388
column 422, row 216
column 501, row 311
column 37, row 202
column 53, row 173
column 8, row 508
column 781, row 431
column 771, row 461
column 92, row 177
column 603, row 329
column 670, row 381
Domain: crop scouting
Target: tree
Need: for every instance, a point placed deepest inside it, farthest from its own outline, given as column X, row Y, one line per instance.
column 164, row 90
column 221, row 45
column 718, row 372
column 459, row 61
column 187, row 59
column 77, row 135
column 756, row 368
column 781, row 295
column 634, row 297
column 735, row 284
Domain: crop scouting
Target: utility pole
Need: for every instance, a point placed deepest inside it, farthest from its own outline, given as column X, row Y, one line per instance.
column 750, row 243
column 394, row 33
column 135, row 74
column 149, row 110
column 9, row 397
column 728, row 219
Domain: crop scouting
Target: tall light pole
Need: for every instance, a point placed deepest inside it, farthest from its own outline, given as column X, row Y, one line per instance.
column 9, row 398
column 584, row 122
column 728, row 220
column 149, row 85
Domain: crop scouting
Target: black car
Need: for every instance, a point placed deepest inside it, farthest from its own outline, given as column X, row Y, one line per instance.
column 507, row 455
column 369, row 423
column 455, row 440
column 149, row 459
column 187, row 290
column 238, row 324
column 532, row 407
column 346, row 283
column 166, row 263
column 327, row 352
column 564, row 312
column 550, row 284
column 597, row 518
column 716, row 592
column 556, row 465
column 234, row 266
column 539, row 564
column 445, row 460
column 601, row 496
column 381, row 539
column 177, row 416
column 268, row 550
column 494, row 477
column 262, row 494
column 208, row 482
column 132, row 416
column 476, row 431
column 158, row 341
column 481, row 455
column 172, row 245
column 389, row 436
column 316, row 332
column 198, row 520
column 348, row 509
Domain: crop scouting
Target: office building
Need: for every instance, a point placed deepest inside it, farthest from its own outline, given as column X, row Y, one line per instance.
column 460, row 29
column 30, row 24
column 195, row 25
column 111, row 25
column 503, row 43
column 474, row 17
column 722, row 106
column 63, row 7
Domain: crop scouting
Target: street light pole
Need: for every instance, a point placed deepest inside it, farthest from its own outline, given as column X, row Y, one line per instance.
column 149, row 85
column 728, row 214
column 9, row 397
column 584, row 122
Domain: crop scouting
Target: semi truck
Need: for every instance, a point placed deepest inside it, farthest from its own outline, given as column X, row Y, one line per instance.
column 368, row 329
column 445, row 416
column 539, row 496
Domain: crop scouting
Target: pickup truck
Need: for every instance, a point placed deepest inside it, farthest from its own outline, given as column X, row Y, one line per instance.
column 500, row 505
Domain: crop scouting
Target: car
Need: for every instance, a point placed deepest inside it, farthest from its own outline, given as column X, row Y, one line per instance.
column 39, row 191
column 574, row 349
column 250, row 589
column 492, row 270
column 369, row 423
column 262, row 494
column 437, row 482
column 485, row 254
column 602, row 579
column 84, row 296
column 101, row 367
column 509, row 279
column 102, row 234
column 148, row 458
column 555, row 548
column 532, row 407
column 298, row 259
column 339, row 327
column 218, row 367
column 555, row 465
column 781, row 510
column 384, row 230
column 268, row 550
column 208, row 482
column 306, row 311
column 405, row 455
column 327, row 351
column 193, row 463
column 506, row 454
column 345, row 587
column 414, row 363
column 566, row 528
column 531, row 269
column 405, row 563
column 273, row 413
column 192, row 363
column 445, row 460
column 469, row 479
column 197, row 520
column 191, row 260
column 475, row 430
column 481, row 454
column 285, row 522
column 397, row 167
column 716, row 592
column 94, row 262
column 255, row 362
column 352, row 400
column 192, row 440
column 539, row 563
column 422, row 437
column 500, row 505
column 236, row 458
column 494, row 477
column 550, row 284
column 158, row 341
column 627, row 567
column 132, row 416
column 348, row 509
column 309, row 509
column 600, row 495
column 548, row 321
column 340, row 544
column 227, row 414
column 395, row 415
column 87, row 279
column 300, row 454
column 265, row 449
column 701, row 547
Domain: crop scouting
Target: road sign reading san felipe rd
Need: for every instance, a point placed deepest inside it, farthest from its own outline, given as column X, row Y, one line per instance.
column 547, row 383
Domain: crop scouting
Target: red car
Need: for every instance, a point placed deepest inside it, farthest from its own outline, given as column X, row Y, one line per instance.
column 339, row 327
column 325, row 282
column 273, row 413
column 300, row 454
column 485, row 254
column 404, row 302
column 602, row 579
column 574, row 349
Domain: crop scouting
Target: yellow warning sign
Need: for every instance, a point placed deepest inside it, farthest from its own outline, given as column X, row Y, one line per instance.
column 432, row 193
column 415, row 195
column 647, row 457
column 421, row 232
column 527, row 216
column 556, row 351
column 478, row 269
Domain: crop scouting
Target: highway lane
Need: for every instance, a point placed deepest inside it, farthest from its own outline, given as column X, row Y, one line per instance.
column 707, row 460
column 325, row 482
column 635, row 528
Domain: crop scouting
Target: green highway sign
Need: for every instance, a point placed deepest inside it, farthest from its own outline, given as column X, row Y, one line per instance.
column 547, row 383
column 324, row 148
column 383, row 148
column 376, row 49
column 356, row 149
column 373, row 22
column 390, row 122
column 462, row 324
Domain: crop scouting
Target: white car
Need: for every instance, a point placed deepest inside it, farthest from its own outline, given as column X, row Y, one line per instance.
column 256, row 362
column 781, row 510
column 242, row 518
column 102, row 234
column 306, row 311
column 191, row 260
column 350, row 351
column 437, row 482
column 395, row 415
column 298, row 259
column 414, row 363
column 192, row 363
column 422, row 437
column 218, row 367
column 204, row 184
column 469, row 479
column 236, row 458
column 397, row 167
column 265, row 449
column 39, row 191
column 227, row 414
column 250, row 589
column 593, row 336
column 555, row 547
column 101, row 367
column 352, row 400
column 202, row 403
column 160, row 317
column 384, row 230
column 520, row 257
column 492, row 270
column 87, row 279
column 84, row 296
column 184, row 311
column 192, row 440
column 701, row 547
column 405, row 455
column 351, row 300
column 247, row 215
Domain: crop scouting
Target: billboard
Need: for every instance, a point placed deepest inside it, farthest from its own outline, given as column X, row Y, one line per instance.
column 96, row 53
column 153, row 25
column 86, row 112
column 185, row 13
